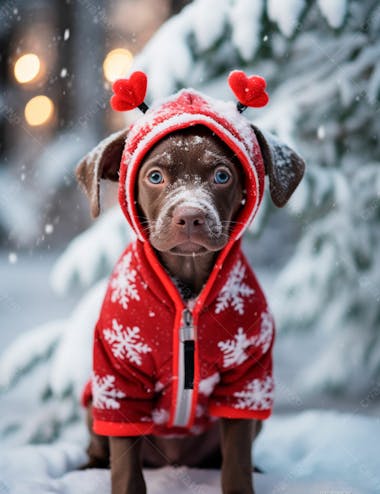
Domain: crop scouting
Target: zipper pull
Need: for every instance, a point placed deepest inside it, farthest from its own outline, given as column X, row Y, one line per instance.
column 187, row 329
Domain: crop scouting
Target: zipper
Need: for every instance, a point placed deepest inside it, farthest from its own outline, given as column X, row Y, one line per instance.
column 186, row 369
column 187, row 338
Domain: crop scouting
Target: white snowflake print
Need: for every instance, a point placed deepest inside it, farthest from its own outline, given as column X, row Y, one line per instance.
column 266, row 332
column 126, row 343
column 123, row 283
column 207, row 385
column 234, row 350
column 158, row 387
column 234, row 291
column 257, row 395
column 104, row 393
column 160, row 416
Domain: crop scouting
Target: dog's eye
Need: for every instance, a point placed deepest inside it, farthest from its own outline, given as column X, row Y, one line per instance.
column 155, row 177
column 221, row 176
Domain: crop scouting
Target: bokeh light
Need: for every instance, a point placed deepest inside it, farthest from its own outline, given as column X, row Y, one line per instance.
column 27, row 68
column 117, row 64
column 39, row 110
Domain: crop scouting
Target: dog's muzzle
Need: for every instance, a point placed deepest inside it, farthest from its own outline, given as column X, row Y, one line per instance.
column 193, row 208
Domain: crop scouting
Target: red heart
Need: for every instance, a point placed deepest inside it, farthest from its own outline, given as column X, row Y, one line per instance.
column 129, row 93
column 250, row 91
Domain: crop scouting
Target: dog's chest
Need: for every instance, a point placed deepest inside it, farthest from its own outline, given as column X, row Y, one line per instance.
column 145, row 329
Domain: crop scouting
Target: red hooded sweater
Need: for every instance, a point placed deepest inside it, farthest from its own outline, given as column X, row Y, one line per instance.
column 164, row 366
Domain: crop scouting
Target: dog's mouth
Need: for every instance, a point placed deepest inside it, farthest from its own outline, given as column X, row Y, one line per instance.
column 189, row 248
column 195, row 244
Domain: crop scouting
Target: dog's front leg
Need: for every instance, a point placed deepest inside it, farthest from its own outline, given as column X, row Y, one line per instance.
column 126, row 470
column 236, row 438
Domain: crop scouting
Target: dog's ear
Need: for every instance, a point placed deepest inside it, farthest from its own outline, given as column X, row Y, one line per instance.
column 102, row 162
column 284, row 167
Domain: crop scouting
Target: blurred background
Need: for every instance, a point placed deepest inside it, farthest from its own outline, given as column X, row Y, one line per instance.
column 58, row 61
column 318, row 259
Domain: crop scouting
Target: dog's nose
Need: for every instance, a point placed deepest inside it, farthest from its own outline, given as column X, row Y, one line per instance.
column 189, row 218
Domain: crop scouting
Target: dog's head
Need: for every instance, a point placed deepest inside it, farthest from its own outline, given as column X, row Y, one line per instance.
column 189, row 190
column 191, row 178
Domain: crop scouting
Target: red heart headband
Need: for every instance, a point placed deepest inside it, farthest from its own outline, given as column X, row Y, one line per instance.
column 130, row 93
column 249, row 91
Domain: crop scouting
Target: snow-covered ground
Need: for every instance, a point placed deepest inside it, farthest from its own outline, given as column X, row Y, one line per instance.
column 307, row 453
column 301, row 451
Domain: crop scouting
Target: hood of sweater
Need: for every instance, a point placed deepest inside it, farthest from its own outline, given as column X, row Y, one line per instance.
column 182, row 110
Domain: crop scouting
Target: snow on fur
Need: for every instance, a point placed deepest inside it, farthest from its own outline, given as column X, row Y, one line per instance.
column 197, row 197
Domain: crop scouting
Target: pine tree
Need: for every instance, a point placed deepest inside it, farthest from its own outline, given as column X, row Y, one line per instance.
column 321, row 62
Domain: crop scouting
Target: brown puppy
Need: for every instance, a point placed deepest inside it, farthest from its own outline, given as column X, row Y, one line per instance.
column 188, row 216
column 187, row 167
column 189, row 190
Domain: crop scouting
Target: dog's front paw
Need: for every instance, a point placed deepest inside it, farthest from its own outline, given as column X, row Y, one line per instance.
column 238, row 490
column 134, row 485
column 237, row 484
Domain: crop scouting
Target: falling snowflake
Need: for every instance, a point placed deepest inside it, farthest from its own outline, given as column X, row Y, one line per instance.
column 104, row 393
column 266, row 332
column 126, row 343
column 234, row 350
column 234, row 290
column 257, row 395
column 123, row 283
